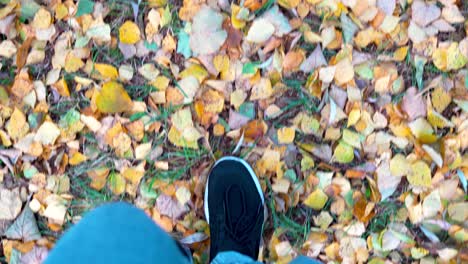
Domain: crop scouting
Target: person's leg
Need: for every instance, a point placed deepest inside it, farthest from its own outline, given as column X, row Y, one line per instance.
column 234, row 204
column 234, row 210
column 117, row 233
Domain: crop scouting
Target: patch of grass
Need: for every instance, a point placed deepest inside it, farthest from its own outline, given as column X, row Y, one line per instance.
column 296, row 222
column 105, row 54
column 87, row 197
column 140, row 92
column 75, row 101
column 385, row 213
column 181, row 160
column 7, row 74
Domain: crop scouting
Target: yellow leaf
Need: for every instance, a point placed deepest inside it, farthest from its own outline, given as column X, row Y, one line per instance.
column 286, row 135
column 455, row 59
column 222, row 65
column 77, row 158
column 183, row 195
column 236, row 23
column 389, row 24
column 344, row 153
column 42, row 19
column 352, row 138
column 237, row 98
column 213, row 101
column 107, row 71
column 113, row 98
column 422, row 130
column 73, row 63
column 354, row 117
column 400, row 53
column 47, row 133
column 175, row 137
column 420, row 174
column 439, row 58
column 261, row 90
column 196, row 71
column 399, row 166
column 418, row 252
column 218, row 130
column 438, row 120
column 161, row 83
column 98, row 178
column 269, row 161
column 129, row 33
column 133, row 175
column 61, row 11
column 116, row 183
column 316, row 200
column 440, row 99
column 182, row 119
column 312, row 37
column 17, row 126
column 61, row 87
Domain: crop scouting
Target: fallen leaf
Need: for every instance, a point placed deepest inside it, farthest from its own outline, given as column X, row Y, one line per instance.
column 316, row 200
column 113, row 98
column 344, row 72
column 56, row 209
column 349, row 28
column 413, row 104
column 315, row 60
column 129, row 33
column 25, row 227
column 286, row 135
column 452, row 14
column 261, row 90
column 278, row 20
column 387, row 181
column 436, row 157
column 116, row 183
column 37, row 255
column 84, row 7
column 10, row 204
column 207, row 25
column 343, row 153
column 431, row 204
column 424, row 13
column 420, row 174
column 47, row 133
column 260, row 31
column 170, row 207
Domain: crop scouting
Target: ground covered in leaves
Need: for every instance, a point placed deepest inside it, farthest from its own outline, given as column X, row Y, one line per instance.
column 353, row 114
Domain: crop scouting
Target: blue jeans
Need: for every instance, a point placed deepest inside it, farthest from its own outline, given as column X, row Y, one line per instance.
column 121, row 233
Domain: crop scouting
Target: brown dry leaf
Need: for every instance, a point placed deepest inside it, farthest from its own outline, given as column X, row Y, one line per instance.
column 344, row 72
column 22, row 85
column 413, row 104
column 292, row 60
column 170, row 207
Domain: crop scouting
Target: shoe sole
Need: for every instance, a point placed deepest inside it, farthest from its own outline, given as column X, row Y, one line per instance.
column 249, row 169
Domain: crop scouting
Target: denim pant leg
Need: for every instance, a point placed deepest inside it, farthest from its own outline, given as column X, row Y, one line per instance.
column 117, row 233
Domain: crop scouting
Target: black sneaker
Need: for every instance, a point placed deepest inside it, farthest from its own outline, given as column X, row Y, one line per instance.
column 234, row 208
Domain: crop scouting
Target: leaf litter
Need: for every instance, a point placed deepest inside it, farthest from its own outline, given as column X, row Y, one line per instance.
column 352, row 113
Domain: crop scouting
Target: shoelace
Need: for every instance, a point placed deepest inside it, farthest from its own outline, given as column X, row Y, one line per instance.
column 240, row 231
